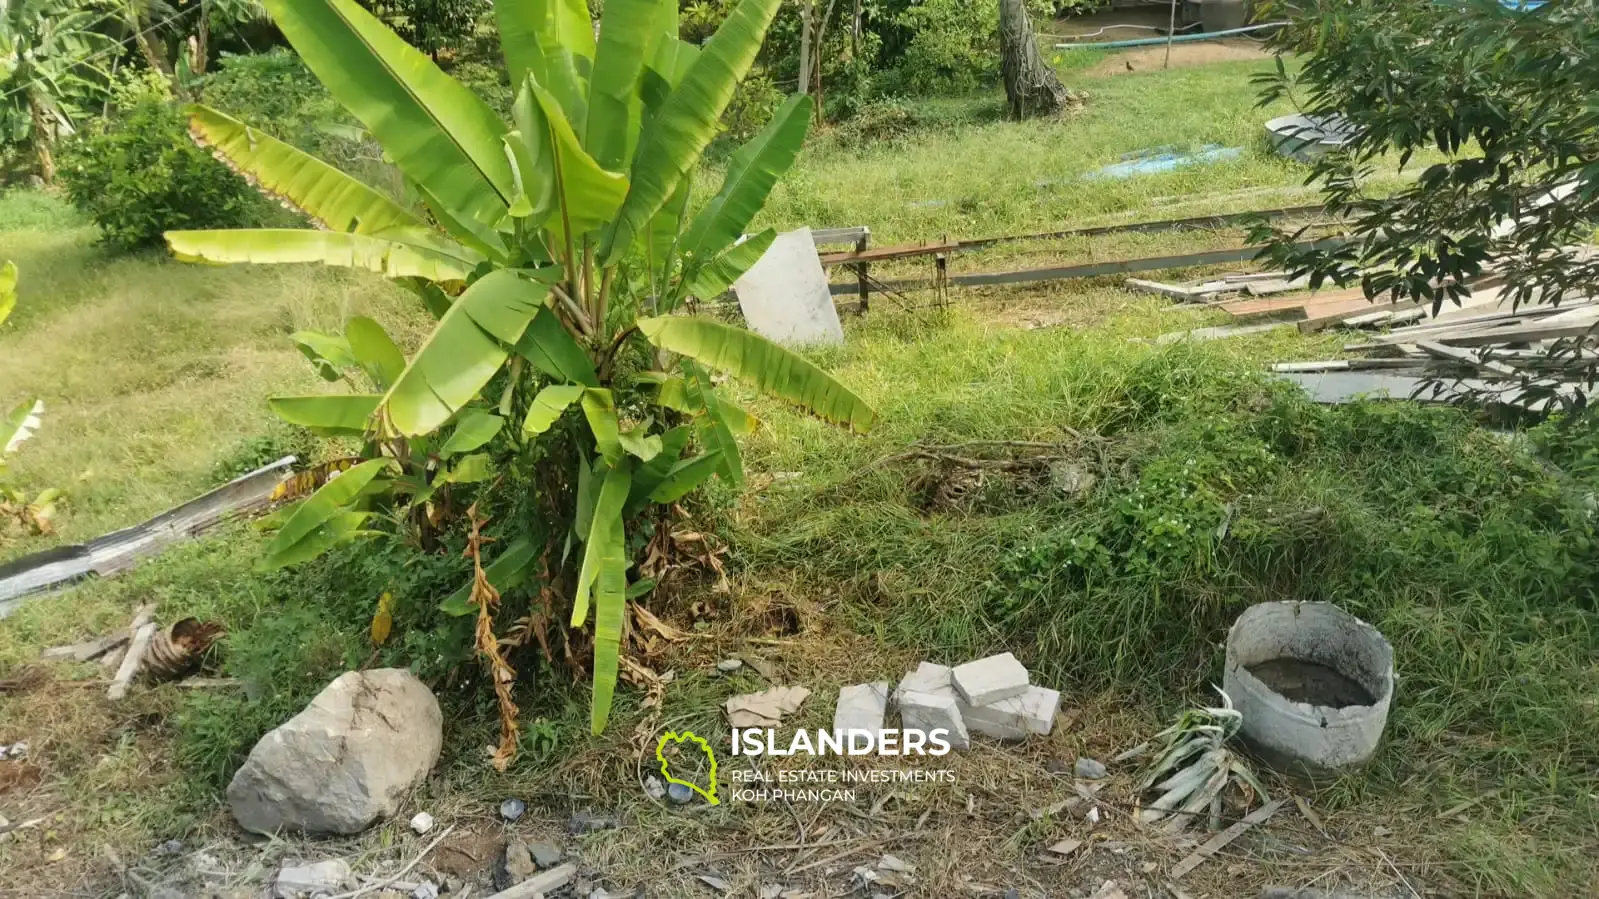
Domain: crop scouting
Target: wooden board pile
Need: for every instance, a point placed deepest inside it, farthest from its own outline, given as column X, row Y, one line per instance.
column 1252, row 298
column 1500, row 354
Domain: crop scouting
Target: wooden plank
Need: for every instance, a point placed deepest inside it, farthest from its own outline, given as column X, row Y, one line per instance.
column 131, row 661
column 1175, row 291
column 1219, row 841
column 1454, row 354
column 1523, row 334
column 879, row 254
column 1225, row 220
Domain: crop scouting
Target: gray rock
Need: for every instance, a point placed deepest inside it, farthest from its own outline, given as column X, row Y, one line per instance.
column 679, row 793
column 654, row 788
column 295, row 881
column 1089, row 769
column 588, row 822
column 515, row 865
column 512, row 809
column 546, row 855
column 728, row 666
column 344, row 762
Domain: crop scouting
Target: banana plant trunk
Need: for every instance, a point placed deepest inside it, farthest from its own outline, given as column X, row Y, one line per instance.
column 42, row 138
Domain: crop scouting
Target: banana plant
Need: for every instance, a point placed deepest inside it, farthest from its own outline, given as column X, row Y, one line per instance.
column 555, row 251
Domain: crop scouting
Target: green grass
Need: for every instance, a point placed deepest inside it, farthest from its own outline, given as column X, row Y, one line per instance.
column 1473, row 554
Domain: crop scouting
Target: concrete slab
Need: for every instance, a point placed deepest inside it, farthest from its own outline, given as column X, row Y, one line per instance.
column 860, row 707
column 785, row 296
column 927, row 712
column 987, row 681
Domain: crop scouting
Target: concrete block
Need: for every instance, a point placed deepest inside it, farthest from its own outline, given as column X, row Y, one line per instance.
column 927, row 712
column 316, row 878
column 927, row 678
column 987, row 681
column 861, row 707
column 1032, row 713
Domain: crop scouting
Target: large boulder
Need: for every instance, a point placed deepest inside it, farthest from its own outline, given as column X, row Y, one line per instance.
column 346, row 761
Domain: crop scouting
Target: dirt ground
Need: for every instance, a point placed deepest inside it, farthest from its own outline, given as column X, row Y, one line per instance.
column 1199, row 53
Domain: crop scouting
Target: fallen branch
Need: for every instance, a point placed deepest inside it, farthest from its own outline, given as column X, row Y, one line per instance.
column 380, row 884
column 141, row 631
column 539, row 884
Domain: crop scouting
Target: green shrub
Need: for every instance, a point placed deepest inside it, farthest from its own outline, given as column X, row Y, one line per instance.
column 954, row 45
column 754, row 101
column 139, row 174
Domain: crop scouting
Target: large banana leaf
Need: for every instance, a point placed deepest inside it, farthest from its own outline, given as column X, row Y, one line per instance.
column 712, row 277
column 685, row 476
column 8, row 290
column 688, row 120
column 648, row 475
column 19, row 424
column 554, row 41
column 610, row 614
column 466, row 348
column 333, row 199
column 548, row 406
column 473, row 429
column 599, row 407
column 394, row 254
column 752, row 171
column 319, row 509
column 673, row 394
column 441, row 134
column 711, row 423
column 627, row 30
column 606, row 517
column 331, row 414
column 587, row 194
column 467, row 230
column 549, row 346
column 375, row 350
column 771, row 368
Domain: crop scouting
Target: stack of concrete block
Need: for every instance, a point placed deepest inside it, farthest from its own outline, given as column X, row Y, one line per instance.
column 993, row 697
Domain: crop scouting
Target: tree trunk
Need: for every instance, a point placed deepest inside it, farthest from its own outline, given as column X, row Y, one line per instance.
column 805, row 47
column 1031, row 86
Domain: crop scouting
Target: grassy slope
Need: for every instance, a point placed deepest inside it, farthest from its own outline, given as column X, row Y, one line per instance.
column 1471, row 557
column 152, row 373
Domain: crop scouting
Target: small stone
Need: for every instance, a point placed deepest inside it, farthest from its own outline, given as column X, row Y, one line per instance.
column 653, row 788
column 16, row 751
column 425, row 891
column 545, row 855
column 512, row 809
column 170, row 847
column 588, row 822
column 421, row 822
column 515, row 865
column 728, row 666
column 1089, row 769
column 679, row 793
column 293, row 881
column 451, row 885
column 990, row 679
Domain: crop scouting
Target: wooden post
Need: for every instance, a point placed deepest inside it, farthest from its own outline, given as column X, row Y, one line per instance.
column 861, row 280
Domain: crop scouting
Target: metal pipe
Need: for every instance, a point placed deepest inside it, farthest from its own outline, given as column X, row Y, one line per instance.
column 1154, row 41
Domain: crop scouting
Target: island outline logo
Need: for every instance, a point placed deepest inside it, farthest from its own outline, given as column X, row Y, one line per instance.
column 672, row 736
